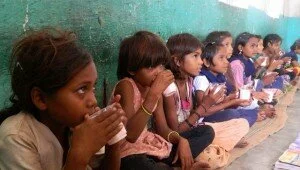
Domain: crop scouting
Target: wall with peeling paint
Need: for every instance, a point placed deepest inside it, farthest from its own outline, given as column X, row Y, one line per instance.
column 102, row 24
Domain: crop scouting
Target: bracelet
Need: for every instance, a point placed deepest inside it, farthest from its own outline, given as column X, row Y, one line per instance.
column 197, row 114
column 203, row 107
column 146, row 111
column 169, row 134
column 188, row 123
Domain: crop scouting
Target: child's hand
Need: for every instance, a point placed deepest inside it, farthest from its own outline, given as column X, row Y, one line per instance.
column 260, row 96
column 275, row 64
column 184, row 154
column 161, row 82
column 231, row 96
column 286, row 59
column 91, row 135
column 212, row 97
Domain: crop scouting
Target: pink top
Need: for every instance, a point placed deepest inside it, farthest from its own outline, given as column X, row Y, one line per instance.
column 148, row 142
column 238, row 72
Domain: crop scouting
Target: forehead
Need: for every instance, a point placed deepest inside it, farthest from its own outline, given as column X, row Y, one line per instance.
column 87, row 74
column 252, row 40
column 227, row 39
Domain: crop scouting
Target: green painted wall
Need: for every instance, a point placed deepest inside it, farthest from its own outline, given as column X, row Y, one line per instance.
column 102, row 24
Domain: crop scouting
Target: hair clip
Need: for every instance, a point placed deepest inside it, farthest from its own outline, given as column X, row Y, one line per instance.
column 19, row 65
column 210, row 43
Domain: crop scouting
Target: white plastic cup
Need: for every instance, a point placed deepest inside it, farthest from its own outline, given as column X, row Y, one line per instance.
column 119, row 136
column 270, row 94
column 245, row 94
column 264, row 63
column 170, row 90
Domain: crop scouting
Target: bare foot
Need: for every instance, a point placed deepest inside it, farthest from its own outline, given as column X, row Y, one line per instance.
column 242, row 143
column 261, row 116
column 269, row 110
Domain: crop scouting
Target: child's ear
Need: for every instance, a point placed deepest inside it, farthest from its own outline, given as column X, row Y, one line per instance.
column 269, row 44
column 176, row 60
column 240, row 47
column 206, row 62
column 38, row 98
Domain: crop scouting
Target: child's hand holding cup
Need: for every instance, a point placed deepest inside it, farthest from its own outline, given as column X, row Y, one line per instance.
column 119, row 136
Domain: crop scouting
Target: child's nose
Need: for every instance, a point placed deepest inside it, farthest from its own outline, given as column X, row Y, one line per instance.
column 200, row 61
column 92, row 101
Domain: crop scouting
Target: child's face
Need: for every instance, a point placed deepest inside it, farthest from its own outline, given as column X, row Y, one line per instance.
column 220, row 61
column 192, row 63
column 275, row 47
column 297, row 50
column 76, row 99
column 227, row 43
column 260, row 46
column 250, row 49
column 146, row 76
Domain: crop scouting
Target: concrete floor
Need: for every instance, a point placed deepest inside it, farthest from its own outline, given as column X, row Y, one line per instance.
column 264, row 155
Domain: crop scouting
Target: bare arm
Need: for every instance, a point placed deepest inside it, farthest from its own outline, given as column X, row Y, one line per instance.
column 136, row 120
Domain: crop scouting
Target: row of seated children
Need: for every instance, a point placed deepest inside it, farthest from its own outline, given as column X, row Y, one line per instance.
column 55, row 122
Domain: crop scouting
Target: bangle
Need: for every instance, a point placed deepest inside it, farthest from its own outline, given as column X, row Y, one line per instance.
column 169, row 134
column 188, row 123
column 197, row 114
column 146, row 111
column 203, row 107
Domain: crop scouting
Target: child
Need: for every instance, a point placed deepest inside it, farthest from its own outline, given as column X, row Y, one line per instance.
column 186, row 62
column 53, row 83
column 215, row 65
column 272, row 43
column 142, row 81
column 295, row 55
column 244, row 70
column 224, row 38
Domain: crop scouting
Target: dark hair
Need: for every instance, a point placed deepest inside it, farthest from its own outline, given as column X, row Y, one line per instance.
column 242, row 40
column 143, row 49
column 271, row 38
column 179, row 46
column 46, row 59
column 295, row 45
column 258, row 36
column 210, row 50
column 217, row 37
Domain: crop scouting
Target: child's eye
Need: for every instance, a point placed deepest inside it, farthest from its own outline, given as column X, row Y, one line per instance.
column 82, row 90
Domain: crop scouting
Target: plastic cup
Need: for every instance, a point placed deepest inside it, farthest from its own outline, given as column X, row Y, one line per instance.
column 170, row 90
column 245, row 94
column 270, row 94
column 264, row 63
column 119, row 136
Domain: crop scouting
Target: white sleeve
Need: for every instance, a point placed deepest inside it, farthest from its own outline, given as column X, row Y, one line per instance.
column 200, row 83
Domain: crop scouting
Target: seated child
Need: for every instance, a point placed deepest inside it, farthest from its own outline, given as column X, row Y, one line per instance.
column 143, row 79
column 182, row 115
column 53, row 93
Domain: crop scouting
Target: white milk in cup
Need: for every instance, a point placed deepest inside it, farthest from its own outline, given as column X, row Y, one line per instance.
column 245, row 93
